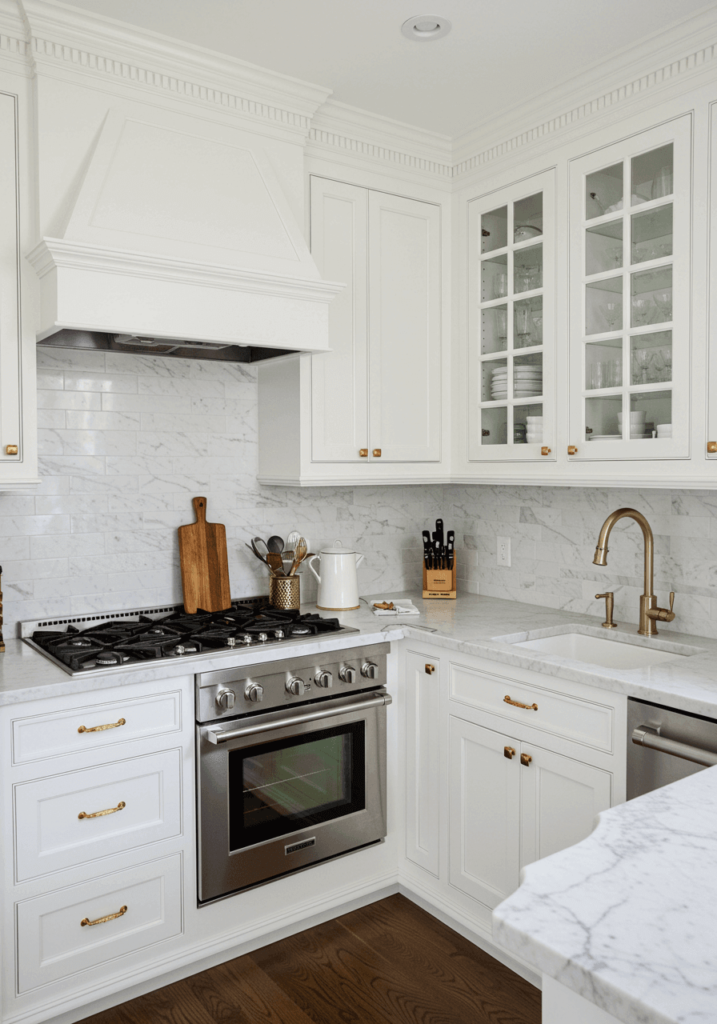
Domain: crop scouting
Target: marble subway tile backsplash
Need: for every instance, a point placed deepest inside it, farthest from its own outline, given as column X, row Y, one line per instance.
column 127, row 441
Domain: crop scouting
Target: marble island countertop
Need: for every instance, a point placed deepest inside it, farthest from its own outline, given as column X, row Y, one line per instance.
column 628, row 917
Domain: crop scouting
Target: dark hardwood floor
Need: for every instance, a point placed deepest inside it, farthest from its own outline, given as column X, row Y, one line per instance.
column 388, row 963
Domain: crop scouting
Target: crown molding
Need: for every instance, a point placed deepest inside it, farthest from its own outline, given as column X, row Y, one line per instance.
column 65, row 39
column 13, row 35
column 381, row 140
column 662, row 60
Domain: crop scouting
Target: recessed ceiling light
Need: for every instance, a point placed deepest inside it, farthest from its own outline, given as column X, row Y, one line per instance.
column 426, row 26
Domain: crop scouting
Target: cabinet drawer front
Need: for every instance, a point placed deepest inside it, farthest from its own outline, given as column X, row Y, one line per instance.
column 86, row 728
column 52, row 943
column 578, row 720
column 140, row 798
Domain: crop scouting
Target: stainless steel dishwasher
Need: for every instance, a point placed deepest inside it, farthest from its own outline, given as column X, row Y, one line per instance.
column 664, row 745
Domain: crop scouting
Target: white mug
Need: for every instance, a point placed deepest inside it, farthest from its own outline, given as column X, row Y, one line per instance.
column 338, row 582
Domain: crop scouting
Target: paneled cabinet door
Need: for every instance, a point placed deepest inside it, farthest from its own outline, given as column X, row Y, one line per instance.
column 404, row 329
column 710, row 449
column 511, row 323
column 11, row 450
column 339, row 378
column 423, row 774
column 560, row 800
column 630, row 221
column 484, row 780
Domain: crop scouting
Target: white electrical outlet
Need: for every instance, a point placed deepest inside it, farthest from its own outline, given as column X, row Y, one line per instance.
column 504, row 551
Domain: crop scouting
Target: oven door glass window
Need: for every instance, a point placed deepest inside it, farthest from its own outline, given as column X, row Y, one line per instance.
column 281, row 787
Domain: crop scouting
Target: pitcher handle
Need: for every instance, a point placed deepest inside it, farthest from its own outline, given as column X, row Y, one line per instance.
column 359, row 560
column 310, row 561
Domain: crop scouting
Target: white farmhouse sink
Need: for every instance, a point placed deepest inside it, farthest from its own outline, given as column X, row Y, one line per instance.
column 593, row 650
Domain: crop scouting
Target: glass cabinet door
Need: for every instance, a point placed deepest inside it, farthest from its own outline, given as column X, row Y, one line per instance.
column 511, row 323
column 630, row 284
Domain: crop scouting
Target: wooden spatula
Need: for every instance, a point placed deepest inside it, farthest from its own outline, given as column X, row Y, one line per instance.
column 205, row 568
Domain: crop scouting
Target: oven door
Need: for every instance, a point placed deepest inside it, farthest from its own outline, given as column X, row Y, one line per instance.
column 281, row 791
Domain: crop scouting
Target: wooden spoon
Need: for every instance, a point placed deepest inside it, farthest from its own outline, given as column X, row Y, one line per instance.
column 299, row 555
column 273, row 560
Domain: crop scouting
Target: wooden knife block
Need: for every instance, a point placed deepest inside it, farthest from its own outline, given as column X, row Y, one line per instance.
column 440, row 583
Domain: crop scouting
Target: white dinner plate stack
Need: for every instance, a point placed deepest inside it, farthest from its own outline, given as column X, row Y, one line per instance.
column 527, row 382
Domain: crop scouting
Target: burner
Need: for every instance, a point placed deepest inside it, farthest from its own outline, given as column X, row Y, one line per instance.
column 110, row 658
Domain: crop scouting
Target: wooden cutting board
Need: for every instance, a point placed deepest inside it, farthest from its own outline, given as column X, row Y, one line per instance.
column 203, row 558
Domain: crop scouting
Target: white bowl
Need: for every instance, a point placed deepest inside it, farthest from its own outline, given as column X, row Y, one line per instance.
column 635, row 418
column 536, row 421
column 664, row 430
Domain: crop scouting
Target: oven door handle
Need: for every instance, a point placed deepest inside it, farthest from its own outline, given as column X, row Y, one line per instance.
column 215, row 735
column 645, row 736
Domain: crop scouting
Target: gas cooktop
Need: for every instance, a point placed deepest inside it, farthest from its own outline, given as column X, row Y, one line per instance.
column 117, row 639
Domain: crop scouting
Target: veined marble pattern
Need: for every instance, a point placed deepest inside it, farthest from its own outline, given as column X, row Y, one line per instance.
column 126, row 441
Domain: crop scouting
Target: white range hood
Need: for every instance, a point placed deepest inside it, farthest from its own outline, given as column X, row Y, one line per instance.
column 179, row 237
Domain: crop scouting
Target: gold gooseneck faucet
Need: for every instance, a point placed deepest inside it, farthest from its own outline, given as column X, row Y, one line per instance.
column 649, row 611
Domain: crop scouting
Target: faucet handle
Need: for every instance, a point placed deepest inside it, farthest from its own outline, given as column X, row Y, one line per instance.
column 609, row 607
column 662, row 614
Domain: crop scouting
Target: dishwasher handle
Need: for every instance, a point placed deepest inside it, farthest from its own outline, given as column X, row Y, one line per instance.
column 645, row 736
column 217, row 737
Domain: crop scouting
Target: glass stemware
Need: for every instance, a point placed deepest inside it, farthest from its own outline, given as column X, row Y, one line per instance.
column 643, row 358
column 663, row 301
column 641, row 310
column 613, row 315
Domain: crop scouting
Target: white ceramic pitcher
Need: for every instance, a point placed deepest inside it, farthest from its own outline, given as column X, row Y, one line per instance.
column 338, row 582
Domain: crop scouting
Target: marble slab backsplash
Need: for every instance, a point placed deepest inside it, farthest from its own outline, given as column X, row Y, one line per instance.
column 127, row 441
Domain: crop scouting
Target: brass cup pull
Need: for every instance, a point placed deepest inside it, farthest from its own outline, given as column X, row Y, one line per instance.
column 517, row 704
column 712, row 447
column 11, row 449
column 363, row 453
column 526, row 759
column 545, row 450
column 430, row 669
column 377, row 453
column 101, row 728
column 100, row 814
column 509, row 752
column 102, row 920
column 572, row 449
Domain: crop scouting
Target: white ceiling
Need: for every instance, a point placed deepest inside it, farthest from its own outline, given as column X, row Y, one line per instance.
column 498, row 53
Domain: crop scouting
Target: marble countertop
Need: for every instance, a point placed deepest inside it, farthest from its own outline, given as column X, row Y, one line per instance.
column 628, row 917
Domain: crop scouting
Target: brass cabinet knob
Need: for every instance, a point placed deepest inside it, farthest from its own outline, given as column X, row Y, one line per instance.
column 712, row 447
column 545, row 450
column 572, row 449
column 363, row 453
column 377, row 453
column 509, row 752
column 526, row 759
column 430, row 669
column 11, row 449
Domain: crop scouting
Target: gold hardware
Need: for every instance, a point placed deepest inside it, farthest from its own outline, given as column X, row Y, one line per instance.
column 572, row 449
column 101, row 728
column 102, row 920
column 11, row 449
column 377, row 453
column 509, row 752
column 430, row 669
column 649, row 611
column 526, row 759
column 101, row 814
column 609, row 607
column 545, row 450
column 517, row 704
column 363, row 453
column 712, row 447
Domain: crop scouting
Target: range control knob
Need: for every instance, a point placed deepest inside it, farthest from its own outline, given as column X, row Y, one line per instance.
column 324, row 679
column 347, row 675
column 296, row 686
column 263, row 637
column 254, row 692
column 226, row 699
column 369, row 670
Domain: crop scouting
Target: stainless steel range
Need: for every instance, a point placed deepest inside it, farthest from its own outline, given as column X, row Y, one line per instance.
column 291, row 765
column 90, row 643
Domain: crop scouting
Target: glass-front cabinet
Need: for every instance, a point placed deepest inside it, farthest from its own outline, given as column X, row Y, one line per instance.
column 511, row 387
column 630, row 287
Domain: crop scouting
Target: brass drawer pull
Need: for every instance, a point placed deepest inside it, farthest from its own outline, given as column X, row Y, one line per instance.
column 545, row 450
column 100, row 814
column 363, row 453
column 509, row 752
column 517, row 704
column 101, row 728
column 430, row 669
column 377, row 453
column 102, row 920
column 572, row 449
column 712, row 447
column 525, row 759
column 11, row 449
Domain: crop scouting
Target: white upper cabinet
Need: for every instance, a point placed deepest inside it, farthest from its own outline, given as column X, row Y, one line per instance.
column 370, row 410
column 511, row 354
column 630, row 303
